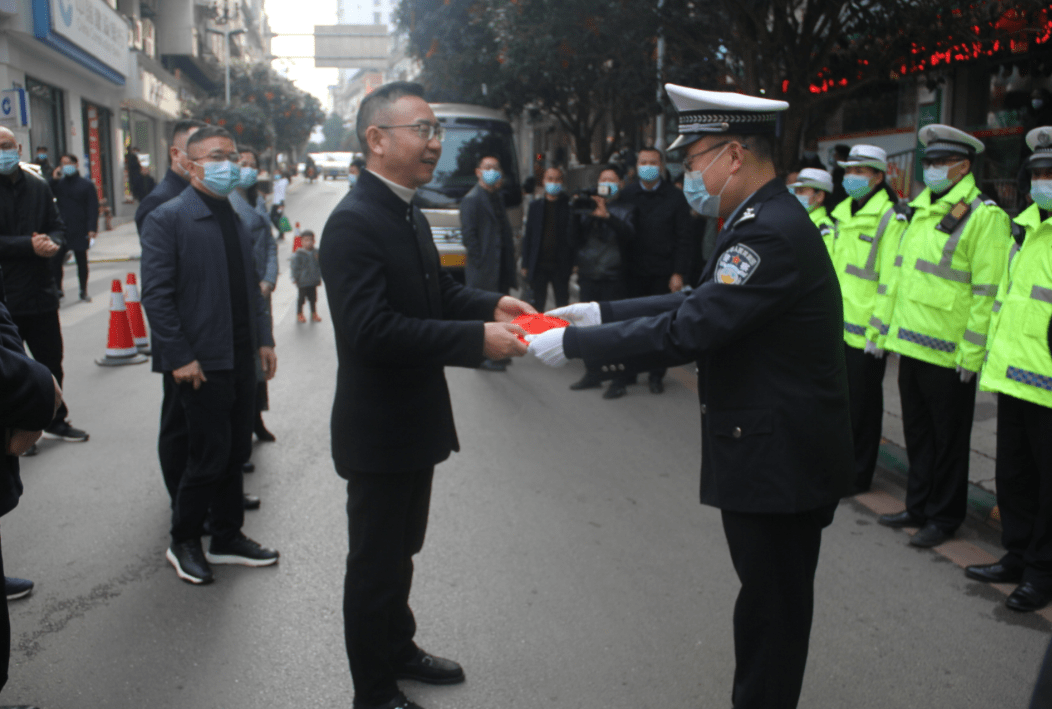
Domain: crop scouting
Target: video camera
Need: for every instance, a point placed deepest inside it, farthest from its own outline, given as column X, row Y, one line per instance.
column 582, row 202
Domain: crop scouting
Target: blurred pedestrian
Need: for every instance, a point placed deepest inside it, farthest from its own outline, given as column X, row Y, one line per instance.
column 306, row 274
column 277, row 203
column 172, row 436
column 1019, row 369
column 488, row 238
column 933, row 308
column 31, row 233
column 210, row 324
column 78, row 205
column 601, row 236
column 354, row 171
column 30, row 398
column 659, row 256
column 812, row 187
column 399, row 320
column 810, row 158
column 133, row 170
column 265, row 258
column 547, row 252
column 869, row 228
column 43, row 161
column 840, row 153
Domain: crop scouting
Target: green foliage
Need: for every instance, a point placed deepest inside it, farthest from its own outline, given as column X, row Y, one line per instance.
column 248, row 123
column 334, row 132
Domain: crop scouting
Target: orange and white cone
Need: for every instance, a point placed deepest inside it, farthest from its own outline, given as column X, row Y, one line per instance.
column 120, row 347
column 135, row 319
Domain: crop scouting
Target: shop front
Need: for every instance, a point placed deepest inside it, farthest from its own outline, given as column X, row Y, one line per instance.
column 152, row 103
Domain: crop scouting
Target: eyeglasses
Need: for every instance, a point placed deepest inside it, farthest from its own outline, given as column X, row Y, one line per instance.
column 426, row 131
column 688, row 161
column 218, row 156
column 941, row 162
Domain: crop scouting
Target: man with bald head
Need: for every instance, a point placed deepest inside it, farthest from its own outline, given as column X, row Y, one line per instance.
column 400, row 320
column 31, row 232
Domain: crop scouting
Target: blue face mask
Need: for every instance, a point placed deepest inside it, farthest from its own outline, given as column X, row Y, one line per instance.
column 1041, row 192
column 553, row 188
column 41, row 156
column 8, row 161
column 857, row 186
column 490, row 177
column 1037, row 104
column 69, row 170
column 937, row 178
column 221, row 177
column 805, row 201
column 248, row 177
column 649, row 173
column 611, row 189
column 351, row 178
column 697, row 194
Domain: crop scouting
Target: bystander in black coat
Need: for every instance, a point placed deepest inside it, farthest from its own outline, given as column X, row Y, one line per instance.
column 78, row 204
column 663, row 235
column 170, row 187
column 27, row 206
column 548, row 258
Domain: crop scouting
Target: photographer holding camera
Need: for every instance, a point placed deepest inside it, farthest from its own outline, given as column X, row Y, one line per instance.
column 601, row 227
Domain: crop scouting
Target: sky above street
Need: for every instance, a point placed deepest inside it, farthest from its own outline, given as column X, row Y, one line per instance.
column 295, row 17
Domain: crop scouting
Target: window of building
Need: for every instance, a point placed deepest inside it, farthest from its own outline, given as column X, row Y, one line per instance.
column 376, row 18
column 48, row 109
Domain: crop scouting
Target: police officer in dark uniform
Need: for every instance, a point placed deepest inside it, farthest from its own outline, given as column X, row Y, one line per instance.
column 765, row 326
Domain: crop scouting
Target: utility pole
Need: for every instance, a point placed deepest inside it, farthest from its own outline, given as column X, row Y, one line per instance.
column 224, row 18
column 659, row 125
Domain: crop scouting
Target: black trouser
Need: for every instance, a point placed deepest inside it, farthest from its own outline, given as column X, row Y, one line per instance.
column 307, row 293
column 937, row 413
column 560, row 280
column 641, row 285
column 219, row 419
column 1024, row 487
column 865, row 385
column 42, row 335
column 173, row 438
column 58, row 261
column 775, row 557
column 5, row 633
column 387, row 520
column 604, row 290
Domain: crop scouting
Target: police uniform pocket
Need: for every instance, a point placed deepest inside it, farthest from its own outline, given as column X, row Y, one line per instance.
column 741, row 423
column 1036, row 322
column 933, row 293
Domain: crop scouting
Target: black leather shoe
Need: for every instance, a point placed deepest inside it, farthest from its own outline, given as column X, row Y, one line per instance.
column 902, row 519
column 657, row 386
column 189, row 562
column 490, row 366
column 929, row 536
column 616, row 391
column 251, row 502
column 399, row 702
column 248, row 467
column 588, row 381
column 1028, row 598
column 261, row 431
column 994, row 573
column 430, row 669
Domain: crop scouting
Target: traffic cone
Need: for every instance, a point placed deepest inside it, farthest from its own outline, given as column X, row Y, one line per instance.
column 297, row 240
column 135, row 319
column 120, row 347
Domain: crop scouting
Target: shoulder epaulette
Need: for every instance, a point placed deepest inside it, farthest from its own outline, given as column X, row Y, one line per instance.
column 1018, row 232
column 903, row 211
column 988, row 201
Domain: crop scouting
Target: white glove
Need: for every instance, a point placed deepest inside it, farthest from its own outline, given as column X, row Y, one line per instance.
column 967, row 375
column 579, row 314
column 872, row 349
column 548, row 347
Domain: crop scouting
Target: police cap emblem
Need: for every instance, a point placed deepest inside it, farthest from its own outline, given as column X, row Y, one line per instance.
column 736, row 265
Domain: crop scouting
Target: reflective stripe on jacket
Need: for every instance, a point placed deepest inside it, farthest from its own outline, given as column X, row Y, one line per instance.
column 826, row 226
column 1020, row 360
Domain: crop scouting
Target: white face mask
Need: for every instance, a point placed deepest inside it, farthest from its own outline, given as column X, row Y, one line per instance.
column 1041, row 193
column 697, row 194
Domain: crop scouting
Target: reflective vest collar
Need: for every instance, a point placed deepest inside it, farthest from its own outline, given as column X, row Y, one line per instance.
column 965, row 191
column 1030, row 218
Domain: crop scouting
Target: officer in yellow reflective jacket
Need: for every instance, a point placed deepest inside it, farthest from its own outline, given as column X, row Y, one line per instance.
column 868, row 229
column 1019, row 369
column 812, row 188
column 934, row 310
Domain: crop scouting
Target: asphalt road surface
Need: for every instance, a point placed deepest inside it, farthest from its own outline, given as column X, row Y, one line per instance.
column 568, row 561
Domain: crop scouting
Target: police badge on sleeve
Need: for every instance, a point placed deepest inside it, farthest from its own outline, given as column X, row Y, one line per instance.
column 736, row 265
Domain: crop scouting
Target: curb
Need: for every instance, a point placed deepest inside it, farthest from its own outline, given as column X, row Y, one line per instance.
column 982, row 503
column 115, row 259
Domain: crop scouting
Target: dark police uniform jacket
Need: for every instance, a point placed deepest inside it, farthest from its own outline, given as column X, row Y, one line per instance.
column 765, row 326
column 399, row 320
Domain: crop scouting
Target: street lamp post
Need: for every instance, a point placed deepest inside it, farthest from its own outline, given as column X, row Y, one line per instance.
column 224, row 17
column 659, row 126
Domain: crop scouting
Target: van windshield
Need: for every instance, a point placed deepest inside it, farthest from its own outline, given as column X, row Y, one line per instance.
column 467, row 141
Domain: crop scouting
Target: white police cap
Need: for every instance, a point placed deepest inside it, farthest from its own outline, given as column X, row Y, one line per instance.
column 1040, row 141
column 705, row 112
column 815, row 179
column 941, row 141
column 866, row 156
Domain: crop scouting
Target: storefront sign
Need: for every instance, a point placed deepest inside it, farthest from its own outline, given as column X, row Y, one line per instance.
column 14, row 108
column 160, row 95
column 90, row 32
column 94, row 148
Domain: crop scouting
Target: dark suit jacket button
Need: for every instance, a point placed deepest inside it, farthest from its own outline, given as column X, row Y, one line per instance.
column 737, row 432
column 703, row 409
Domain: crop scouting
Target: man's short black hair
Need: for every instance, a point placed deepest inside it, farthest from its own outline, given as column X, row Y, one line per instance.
column 358, row 163
column 618, row 170
column 44, row 148
column 488, row 156
column 305, row 233
column 185, row 126
column 379, row 100
column 209, row 132
column 248, row 149
column 842, row 149
column 71, row 156
column 762, row 146
column 652, row 149
column 562, row 172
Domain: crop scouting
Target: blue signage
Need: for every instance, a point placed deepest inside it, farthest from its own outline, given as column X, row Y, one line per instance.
column 45, row 30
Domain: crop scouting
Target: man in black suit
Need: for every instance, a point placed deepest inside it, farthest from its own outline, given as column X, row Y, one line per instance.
column 172, row 436
column 399, row 320
column 547, row 251
column 765, row 326
column 78, row 203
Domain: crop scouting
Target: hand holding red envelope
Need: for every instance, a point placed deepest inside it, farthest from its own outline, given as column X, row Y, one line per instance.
column 535, row 324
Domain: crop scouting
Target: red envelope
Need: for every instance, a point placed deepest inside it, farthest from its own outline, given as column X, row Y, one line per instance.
column 535, row 324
